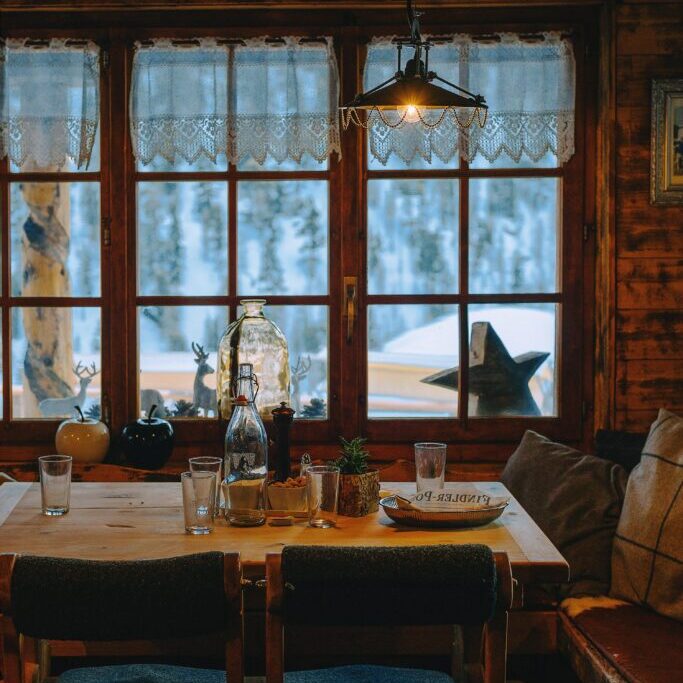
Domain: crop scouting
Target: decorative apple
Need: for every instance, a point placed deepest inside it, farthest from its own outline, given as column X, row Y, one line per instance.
column 147, row 442
column 84, row 439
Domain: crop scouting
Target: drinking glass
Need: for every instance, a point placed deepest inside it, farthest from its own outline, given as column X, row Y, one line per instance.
column 322, row 488
column 199, row 501
column 430, row 465
column 206, row 463
column 55, row 483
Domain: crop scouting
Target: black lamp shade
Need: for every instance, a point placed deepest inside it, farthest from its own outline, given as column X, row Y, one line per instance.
column 416, row 91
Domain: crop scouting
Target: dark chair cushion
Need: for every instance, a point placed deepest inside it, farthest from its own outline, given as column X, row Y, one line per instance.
column 576, row 499
column 64, row 599
column 142, row 673
column 622, row 448
column 367, row 674
column 442, row 584
column 637, row 643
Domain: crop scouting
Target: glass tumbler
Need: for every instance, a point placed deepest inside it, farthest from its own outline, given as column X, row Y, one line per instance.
column 199, row 501
column 55, row 484
column 430, row 465
column 322, row 488
column 206, row 463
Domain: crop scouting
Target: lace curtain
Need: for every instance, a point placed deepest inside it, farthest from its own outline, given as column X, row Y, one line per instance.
column 529, row 87
column 49, row 102
column 255, row 98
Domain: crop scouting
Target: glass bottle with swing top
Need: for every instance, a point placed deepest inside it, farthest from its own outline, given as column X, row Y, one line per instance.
column 246, row 455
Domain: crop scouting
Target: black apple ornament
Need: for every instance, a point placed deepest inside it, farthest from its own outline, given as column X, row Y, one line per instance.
column 147, row 442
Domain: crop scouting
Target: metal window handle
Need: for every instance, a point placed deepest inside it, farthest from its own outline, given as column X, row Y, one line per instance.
column 350, row 296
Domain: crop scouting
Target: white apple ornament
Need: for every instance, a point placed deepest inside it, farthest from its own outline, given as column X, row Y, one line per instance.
column 84, row 439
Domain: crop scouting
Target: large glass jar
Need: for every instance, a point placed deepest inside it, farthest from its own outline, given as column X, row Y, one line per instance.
column 246, row 455
column 252, row 338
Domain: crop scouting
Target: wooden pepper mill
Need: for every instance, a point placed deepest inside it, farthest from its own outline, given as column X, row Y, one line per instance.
column 282, row 418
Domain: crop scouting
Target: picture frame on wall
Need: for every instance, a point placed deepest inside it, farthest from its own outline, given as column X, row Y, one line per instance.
column 666, row 152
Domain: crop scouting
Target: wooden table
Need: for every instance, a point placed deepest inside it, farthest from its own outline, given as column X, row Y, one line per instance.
column 115, row 521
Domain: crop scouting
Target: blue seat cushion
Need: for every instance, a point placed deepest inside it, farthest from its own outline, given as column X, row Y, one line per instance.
column 367, row 674
column 142, row 673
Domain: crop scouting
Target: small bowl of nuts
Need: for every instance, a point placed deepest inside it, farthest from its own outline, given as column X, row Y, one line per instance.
column 289, row 495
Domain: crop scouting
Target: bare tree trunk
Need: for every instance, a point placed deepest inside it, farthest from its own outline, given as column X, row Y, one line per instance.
column 45, row 248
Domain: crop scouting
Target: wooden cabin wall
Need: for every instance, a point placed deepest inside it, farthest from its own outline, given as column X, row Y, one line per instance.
column 649, row 239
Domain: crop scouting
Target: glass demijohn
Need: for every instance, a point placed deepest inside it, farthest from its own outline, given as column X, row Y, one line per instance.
column 246, row 455
column 255, row 339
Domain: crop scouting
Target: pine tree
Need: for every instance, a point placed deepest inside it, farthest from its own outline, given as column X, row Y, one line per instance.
column 213, row 233
column 159, row 224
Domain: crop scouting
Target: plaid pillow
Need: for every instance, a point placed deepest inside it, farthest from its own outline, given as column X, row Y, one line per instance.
column 647, row 555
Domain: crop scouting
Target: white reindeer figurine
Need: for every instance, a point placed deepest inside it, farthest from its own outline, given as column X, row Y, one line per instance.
column 299, row 372
column 59, row 407
column 203, row 397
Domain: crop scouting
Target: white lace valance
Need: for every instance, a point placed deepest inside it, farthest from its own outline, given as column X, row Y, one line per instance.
column 49, row 102
column 248, row 99
column 529, row 87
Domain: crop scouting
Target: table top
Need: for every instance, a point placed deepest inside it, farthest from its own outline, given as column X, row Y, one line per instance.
column 130, row 521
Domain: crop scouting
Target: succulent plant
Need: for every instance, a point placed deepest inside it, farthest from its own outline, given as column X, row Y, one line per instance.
column 353, row 457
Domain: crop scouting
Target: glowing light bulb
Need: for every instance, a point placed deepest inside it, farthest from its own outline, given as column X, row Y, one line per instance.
column 410, row 113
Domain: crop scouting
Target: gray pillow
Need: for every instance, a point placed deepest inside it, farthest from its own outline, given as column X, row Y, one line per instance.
column 576, row 499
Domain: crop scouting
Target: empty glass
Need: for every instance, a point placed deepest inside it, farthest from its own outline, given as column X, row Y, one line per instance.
column 322, row 488
column 55, row 483
column 430, row 465
column 199, row 501
column 206, row 463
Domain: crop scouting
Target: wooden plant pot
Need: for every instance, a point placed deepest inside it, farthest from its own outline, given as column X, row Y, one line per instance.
column 359, row 494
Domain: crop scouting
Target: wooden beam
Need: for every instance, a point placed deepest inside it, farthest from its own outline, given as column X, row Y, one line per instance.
column 605, row 265
column 146, row 5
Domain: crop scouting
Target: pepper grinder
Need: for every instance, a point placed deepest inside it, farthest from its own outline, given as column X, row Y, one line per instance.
column 282, row 419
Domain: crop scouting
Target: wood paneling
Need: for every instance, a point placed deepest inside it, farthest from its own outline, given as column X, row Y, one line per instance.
column 649, row 334
column 649, row 244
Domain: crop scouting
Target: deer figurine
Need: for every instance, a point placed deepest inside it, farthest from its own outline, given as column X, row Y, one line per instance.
column 59, row 407
column 203, row 397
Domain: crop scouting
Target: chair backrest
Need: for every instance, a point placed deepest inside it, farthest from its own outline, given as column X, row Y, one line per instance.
column 88, row 600
column 444, row 584
column 467, row 585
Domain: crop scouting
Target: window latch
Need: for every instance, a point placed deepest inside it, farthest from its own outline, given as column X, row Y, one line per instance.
column 106, row 231
column 350, row 297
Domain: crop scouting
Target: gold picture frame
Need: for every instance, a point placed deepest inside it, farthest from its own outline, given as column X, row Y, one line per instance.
column 666, row 151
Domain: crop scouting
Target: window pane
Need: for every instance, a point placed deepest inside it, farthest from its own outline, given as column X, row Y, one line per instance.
column 170, row 375
column 412, row 236
column 408, row 344
column 55, row 239
column 54, row 354
column 182, row 238
column 514, row 227
column 282, row 229
column 548, row 160
column 306, row 331
column 307, row 163
column 512, row 360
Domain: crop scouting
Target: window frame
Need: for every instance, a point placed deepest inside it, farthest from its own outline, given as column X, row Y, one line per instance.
column 347, row 361
column 34, row 431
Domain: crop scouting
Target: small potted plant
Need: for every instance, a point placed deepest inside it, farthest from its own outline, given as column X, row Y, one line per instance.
column 358, row 485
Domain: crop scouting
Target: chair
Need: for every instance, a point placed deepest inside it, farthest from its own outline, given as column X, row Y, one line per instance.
column 148, row 600
column 465, row 585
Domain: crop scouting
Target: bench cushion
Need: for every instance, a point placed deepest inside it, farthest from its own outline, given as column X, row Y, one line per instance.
column 612, row 640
